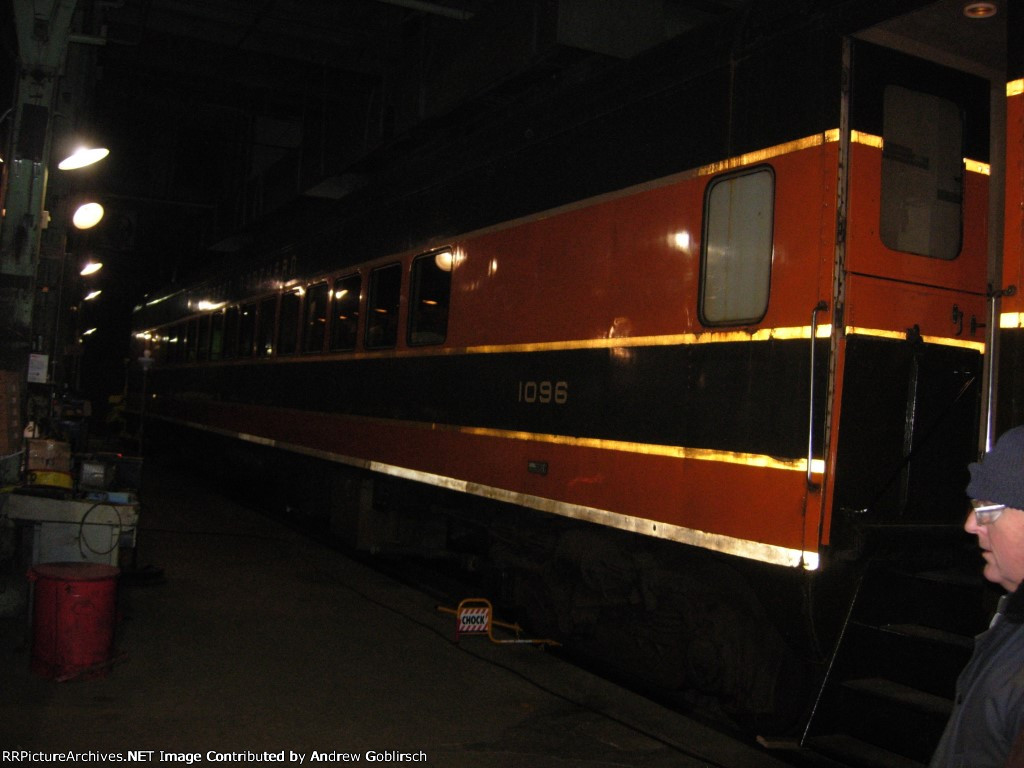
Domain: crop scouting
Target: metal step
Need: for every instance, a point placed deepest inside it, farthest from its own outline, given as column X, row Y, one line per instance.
column 918, row 656
column 859, row 754
column 931, row 634
column 903, row 695
column 886, row 696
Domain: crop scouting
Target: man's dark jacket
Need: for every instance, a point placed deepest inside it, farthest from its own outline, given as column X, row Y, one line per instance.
column 988, row 712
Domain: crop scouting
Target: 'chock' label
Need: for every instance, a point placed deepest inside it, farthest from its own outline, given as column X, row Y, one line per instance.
column 476, row 619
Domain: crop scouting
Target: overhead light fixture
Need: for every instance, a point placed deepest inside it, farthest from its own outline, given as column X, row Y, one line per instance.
column 91, row 295
column 82, row 157
column 447, row 260
column 980, row 10
column 87, row 215
column 444, row 261
column 91, row 268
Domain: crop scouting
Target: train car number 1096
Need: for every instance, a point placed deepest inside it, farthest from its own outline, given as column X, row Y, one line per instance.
column 543, row 392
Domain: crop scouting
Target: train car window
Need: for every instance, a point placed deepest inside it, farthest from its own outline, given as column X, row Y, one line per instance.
column 382, row 306
column 316, row 318
column 182, row 355
column 231, row 318
column 174, row 345
column 430, row 292
column 246, row 329
column 155, row 345
column 736, row 251
column 190, row 340
column 183, row 343
column 922, row 173
column 288, row 336
column 345, row 315
column 266, row 324
column 203, row 336
column 177, row 343
column 217, row 335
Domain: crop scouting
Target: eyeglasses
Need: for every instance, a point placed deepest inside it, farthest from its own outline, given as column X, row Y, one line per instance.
column 985, row 512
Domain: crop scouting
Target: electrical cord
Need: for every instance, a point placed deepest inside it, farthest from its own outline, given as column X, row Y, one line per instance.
column 708, row 763
column 83, row 543
column 464, row 648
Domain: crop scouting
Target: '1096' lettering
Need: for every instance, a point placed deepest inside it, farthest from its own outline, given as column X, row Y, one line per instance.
column 544, row 392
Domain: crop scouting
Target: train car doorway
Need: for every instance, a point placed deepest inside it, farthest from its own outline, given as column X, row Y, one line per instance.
column 910, row 292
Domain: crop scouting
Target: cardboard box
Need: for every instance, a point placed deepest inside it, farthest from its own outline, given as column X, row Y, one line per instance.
column 50, row 455
column 10, row 412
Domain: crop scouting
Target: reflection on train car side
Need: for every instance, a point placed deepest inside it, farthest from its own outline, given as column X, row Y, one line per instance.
column 655, row 410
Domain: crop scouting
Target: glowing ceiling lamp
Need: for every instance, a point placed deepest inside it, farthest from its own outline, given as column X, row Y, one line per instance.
column 87, row 215
column 91, row 268
column 447, row 260
column 979, row 10
column 82, row 157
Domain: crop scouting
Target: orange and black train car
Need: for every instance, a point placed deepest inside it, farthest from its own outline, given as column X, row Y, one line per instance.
column 1008, row 284
column 740, row 314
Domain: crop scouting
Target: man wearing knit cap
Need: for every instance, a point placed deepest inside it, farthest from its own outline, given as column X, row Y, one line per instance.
column 988, row 712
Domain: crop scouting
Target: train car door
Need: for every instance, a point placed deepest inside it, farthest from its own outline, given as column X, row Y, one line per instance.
column 910, row 291
column 1009, row 395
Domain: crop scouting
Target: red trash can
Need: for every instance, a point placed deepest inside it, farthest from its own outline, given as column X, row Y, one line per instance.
column 73, row 618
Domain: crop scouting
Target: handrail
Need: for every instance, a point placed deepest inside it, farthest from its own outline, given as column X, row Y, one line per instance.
column 991, row 353
column 821, row 306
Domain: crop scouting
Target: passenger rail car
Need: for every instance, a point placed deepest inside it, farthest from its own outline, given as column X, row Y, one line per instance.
column 765, row 367
column 1008, row 296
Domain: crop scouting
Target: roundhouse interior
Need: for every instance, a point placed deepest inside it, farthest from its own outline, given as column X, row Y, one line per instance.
column 707, row 302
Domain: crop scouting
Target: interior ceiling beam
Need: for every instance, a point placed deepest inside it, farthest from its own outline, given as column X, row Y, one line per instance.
column 458, row 14
column 298, row 36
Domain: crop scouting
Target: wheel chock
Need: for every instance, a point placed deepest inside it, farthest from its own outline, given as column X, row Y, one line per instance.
column 475, row 616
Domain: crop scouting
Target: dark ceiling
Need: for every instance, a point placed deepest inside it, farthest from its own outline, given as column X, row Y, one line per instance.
column 226, row 118
column 221, row 114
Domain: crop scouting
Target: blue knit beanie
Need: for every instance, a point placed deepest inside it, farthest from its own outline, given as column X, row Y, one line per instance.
column 999, row 477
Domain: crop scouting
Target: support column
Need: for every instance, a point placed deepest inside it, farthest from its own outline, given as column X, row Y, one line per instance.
column 43, row 30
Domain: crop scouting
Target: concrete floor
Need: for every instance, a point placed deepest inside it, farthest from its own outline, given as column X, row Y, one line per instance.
column 259, row 640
